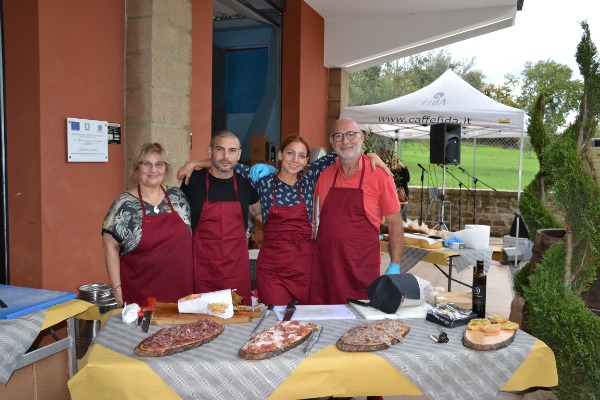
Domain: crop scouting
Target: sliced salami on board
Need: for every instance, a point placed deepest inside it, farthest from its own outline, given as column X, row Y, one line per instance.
column 271, row 342
column 373, row 336
column 180, row 338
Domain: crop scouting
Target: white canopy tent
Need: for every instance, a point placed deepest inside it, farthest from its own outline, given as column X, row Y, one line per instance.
column 449, row 99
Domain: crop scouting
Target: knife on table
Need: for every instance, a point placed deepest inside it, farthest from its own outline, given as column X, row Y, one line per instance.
column 269, row 309
column 314, row 337
column 146, row 314
column 289, row 310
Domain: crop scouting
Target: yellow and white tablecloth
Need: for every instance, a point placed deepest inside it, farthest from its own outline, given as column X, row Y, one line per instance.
column 417, row 366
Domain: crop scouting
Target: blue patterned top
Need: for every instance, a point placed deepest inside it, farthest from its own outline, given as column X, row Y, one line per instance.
column 288, row 195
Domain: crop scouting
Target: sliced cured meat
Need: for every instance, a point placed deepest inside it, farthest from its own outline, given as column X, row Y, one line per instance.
column 169, row 341
column 271, row 342
column 373, row 336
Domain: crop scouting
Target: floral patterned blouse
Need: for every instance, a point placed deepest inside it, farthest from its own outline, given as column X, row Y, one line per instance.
column 124, row 218
column 288, row 195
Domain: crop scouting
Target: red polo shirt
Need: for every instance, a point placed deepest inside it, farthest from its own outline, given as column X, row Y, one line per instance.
column 379, row 191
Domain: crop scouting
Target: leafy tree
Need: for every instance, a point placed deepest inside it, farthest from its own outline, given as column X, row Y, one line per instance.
column 504, row 93
column 366, row 86
column 400, row 77
column 556, row 81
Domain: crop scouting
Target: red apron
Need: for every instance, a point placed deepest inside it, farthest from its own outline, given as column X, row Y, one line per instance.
column 221, row 259
column 284, row 261
column 161, row 265
column 347, row 255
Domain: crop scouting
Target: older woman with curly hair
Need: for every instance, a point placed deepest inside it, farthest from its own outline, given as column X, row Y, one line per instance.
column 146, row 235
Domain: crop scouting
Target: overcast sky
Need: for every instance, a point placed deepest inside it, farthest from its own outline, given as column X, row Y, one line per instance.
column 544, row 29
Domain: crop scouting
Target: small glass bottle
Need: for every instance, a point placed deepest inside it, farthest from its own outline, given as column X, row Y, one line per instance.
column 479, row 288
column 272, row 158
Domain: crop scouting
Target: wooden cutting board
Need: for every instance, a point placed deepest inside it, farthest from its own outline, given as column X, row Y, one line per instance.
column 483, row 341
column 168, row 314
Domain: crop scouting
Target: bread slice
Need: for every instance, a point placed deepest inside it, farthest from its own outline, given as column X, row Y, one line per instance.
column 373, row 336
column 497, row 319
column 509, row 326
column 476, row 323
column 491, row 328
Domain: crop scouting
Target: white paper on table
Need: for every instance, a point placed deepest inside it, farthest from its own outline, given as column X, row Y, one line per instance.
column 371, row 313
column 130, row 313
column 205, row 303
column 316, row 312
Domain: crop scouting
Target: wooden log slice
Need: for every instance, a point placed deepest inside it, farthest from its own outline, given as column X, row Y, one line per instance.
column 483, row 341
column 180, row 338
column 373, row 336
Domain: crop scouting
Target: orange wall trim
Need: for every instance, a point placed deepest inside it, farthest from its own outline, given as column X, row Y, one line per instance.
column 22, row 74
column 304, row 78
column 64, row 59
column 201, row 92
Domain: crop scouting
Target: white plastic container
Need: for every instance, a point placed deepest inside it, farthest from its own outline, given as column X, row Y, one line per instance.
column 475, row 236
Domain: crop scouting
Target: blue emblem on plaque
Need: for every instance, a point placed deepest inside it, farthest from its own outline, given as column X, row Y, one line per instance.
column 75, row 125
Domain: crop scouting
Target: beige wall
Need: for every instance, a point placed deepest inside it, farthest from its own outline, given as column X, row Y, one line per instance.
column 158, row 76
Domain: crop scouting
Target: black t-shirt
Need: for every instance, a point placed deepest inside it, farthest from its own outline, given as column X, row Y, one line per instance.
column 219, row 190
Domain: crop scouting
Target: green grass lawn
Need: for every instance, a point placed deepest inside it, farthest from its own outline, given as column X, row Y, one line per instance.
column 495, row 166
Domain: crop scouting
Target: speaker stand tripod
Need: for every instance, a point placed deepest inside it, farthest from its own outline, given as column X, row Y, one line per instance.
column 441, row 225
column 460, row 186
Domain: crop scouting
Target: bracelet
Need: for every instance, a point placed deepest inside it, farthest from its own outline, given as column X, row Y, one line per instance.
column 116, row 289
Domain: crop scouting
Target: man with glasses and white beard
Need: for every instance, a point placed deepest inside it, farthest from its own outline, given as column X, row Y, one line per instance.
column 353, row 201
column 219, row 201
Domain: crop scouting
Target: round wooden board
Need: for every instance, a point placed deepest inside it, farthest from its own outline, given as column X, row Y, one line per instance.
column 483, row 341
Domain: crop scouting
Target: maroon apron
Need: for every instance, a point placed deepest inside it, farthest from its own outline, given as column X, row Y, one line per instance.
column 161, row 265
column 221, row 259
column 284, row 261
column 347, row 255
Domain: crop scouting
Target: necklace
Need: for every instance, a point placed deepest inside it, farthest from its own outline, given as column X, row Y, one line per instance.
column 155, row 203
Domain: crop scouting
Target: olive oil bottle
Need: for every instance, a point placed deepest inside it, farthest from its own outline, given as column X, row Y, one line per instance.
column 479, row 286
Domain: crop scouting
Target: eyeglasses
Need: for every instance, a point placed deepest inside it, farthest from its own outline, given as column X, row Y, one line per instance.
column 339, row 136
column 159, row 165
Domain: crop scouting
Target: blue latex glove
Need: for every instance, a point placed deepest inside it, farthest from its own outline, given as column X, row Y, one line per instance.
column 261, row 170
column 393, row 269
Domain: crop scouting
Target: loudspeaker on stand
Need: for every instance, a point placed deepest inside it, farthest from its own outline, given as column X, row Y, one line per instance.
column 444, row 144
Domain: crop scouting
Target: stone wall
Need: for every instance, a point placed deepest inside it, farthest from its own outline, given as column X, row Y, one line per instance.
column 494, row 208
column 158, row 78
